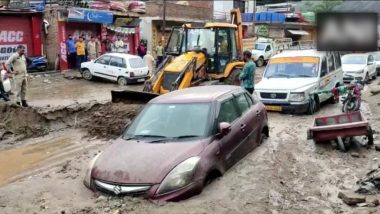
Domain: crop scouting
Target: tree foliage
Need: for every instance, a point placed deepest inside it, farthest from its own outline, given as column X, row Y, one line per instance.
column 320, row 6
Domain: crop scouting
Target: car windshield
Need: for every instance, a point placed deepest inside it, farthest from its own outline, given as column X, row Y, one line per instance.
column 278, row 69
column 260, row 47
column 198, row 39
column 136, row 62
column 354, row 59
column 171, row 121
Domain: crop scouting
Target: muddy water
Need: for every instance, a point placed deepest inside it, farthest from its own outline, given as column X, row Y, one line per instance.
column 17, row 160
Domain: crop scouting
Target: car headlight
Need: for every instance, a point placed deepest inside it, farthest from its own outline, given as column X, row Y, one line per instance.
column 87, row 177
column 180, row 176
column 297, row 97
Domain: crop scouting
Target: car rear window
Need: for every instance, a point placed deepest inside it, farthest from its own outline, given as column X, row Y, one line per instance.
column 136, row 63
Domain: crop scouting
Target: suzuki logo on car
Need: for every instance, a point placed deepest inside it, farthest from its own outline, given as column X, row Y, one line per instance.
column 117, row 190
column 273, row 96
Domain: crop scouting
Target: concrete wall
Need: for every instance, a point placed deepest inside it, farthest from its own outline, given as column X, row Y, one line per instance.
column 154, row 9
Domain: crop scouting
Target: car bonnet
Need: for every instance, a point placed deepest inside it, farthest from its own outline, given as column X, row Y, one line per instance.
column 133, row 162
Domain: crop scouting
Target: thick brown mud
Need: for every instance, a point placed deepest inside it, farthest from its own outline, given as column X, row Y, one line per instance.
column 99, row 120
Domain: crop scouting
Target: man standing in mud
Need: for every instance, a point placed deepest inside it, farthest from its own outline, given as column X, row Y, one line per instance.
column 17, row 64
column 247, row 75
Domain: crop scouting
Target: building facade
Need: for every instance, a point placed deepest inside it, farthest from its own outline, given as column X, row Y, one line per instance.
column 177, row 14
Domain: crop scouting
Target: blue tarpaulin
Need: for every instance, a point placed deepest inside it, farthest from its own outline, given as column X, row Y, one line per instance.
column 87, row 15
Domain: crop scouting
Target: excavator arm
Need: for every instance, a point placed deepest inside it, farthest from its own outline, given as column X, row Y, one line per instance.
column 236, row 20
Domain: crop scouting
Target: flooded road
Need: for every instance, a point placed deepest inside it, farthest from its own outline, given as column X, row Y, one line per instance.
column 286, row 174
column 25, row 158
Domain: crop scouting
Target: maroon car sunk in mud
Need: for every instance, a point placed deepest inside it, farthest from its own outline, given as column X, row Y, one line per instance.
column 179, row 143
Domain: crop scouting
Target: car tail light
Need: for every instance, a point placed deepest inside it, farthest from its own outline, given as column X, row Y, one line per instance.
column 131, row 74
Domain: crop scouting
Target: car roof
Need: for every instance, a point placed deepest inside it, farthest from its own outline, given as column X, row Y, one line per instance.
column 122, row 55
column 197, row 94
column 297, row 53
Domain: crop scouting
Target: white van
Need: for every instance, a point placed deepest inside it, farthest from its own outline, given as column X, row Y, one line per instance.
column 291, row 76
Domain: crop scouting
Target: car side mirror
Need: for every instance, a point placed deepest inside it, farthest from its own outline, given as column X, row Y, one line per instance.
column 223, row 129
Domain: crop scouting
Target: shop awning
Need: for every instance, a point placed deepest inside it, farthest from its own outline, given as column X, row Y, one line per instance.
column 299, row 32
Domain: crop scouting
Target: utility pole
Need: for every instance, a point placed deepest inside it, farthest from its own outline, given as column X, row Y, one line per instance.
column 254, row 18
column 163, row 21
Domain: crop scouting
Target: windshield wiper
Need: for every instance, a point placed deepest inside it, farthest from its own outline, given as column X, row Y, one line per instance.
column 302, row 76
column 149, row 135
column 133, row 137
column 186, row 136
column 279, row 75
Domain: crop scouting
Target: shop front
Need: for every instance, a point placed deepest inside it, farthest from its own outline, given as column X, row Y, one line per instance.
column 97, row 23
column 80, row 22
column 20, row 29
column 127, row 28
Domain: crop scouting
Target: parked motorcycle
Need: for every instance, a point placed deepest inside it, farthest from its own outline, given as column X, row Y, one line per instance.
column 351, row 95
column 37, row 63
column 352, row 100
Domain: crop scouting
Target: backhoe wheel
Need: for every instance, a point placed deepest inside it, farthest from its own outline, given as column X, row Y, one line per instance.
column 122, row 81
column 233, row 78
column 260, row 62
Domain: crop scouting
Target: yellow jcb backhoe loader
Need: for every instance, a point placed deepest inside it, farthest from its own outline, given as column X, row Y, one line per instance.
column 194, row 56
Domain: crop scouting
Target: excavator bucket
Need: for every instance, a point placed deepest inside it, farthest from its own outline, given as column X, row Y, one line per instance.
column 132, row 97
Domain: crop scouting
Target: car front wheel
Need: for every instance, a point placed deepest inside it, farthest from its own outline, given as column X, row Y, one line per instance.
column 86, row 74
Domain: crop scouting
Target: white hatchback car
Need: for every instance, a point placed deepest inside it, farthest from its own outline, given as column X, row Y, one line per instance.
column 123, row 68
column 360, row 67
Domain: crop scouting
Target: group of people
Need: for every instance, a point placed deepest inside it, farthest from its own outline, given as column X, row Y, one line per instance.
column 82, row 50
column 16, row 69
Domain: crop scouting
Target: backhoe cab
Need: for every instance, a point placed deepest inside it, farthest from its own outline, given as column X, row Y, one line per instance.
column 196, row 56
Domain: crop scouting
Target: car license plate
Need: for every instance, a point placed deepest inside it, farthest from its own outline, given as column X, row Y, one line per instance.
column 273, row 108
column 140, row 80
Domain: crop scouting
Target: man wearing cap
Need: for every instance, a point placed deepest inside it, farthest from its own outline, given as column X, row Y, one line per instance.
column 17, row 64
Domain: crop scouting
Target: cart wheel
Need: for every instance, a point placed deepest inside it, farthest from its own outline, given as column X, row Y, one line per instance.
column 334, row 144
column 370, row 136
column 341, row 145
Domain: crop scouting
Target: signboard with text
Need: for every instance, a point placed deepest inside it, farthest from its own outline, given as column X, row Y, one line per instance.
column 93, row 16
column 7, row 50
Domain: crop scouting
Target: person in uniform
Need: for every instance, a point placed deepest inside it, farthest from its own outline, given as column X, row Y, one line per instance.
column 17, row 64
column 91, row 48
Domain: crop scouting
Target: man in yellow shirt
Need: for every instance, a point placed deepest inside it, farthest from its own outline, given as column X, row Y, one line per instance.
column 81, row 52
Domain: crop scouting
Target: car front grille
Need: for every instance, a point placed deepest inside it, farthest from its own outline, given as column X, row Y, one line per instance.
column 267, row 95
column 122, row 189
column 169, row 79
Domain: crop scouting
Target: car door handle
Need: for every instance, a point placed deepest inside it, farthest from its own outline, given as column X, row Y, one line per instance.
column 242, row 127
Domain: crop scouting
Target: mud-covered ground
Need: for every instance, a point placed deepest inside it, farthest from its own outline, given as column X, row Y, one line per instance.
column 286, row 174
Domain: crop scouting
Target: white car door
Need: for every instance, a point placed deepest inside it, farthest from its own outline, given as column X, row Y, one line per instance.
column 117, row 68
column 100, row 66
